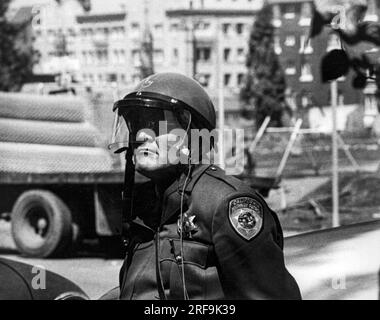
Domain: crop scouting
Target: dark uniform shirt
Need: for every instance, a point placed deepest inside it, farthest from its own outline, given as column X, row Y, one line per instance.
column 231, row 249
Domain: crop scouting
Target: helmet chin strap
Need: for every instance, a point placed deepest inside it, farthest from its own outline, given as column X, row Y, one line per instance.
column 187, row 152
column 128, row 190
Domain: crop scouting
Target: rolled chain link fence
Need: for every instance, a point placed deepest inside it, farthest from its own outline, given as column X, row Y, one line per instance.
column 47, row 134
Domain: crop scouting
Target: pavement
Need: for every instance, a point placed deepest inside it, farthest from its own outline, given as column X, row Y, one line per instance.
column 97, row 275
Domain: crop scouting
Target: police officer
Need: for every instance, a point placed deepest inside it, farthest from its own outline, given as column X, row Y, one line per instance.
column 193, row 232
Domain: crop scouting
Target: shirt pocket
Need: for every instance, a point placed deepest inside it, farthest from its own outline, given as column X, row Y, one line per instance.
column 195, row 265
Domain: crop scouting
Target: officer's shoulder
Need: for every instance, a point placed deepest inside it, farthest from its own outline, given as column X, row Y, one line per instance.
column 215, row 177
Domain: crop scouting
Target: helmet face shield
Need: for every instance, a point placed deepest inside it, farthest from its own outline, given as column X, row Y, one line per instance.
column 149, row 116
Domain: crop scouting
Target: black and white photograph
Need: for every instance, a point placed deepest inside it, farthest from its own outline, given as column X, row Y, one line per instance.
column 209, row 151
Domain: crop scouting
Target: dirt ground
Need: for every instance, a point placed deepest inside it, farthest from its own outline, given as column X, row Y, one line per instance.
column 310, row 201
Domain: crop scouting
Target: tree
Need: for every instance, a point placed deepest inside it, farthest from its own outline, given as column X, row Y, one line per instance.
column 264, row 88
column 16, row 51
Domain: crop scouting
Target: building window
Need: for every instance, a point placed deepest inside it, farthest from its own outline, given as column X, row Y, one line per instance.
column 240, row 79
column 306, row 14
column 226, row 54
column 111, row 77
column 226, row 28
column 175, row 57
column 102, row 56
column 305, row 48
column 290, row 41
column 203, row 54
column 90, row 33
column 227, row 79
column 159, row 29
column 289, row 11
column 306, row 73
column 239, row 28
column 135, row 30
column 203, row 26
column 276, row 16
column 277, row 45
column 240, row 55
column 290, row 68
column 371, row 14
column 158, row 56
column 174, row 27
column 333, row 42
column 136, row 58
column 117, row 32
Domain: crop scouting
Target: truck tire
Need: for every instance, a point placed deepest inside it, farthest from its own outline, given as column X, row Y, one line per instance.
column 41, row 224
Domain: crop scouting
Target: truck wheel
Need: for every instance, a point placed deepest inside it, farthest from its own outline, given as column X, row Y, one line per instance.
column 41, row 224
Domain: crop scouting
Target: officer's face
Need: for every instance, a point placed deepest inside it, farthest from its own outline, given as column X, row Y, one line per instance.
column 158, row 155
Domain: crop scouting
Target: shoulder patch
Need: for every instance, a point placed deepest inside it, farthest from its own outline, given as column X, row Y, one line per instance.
column 246, row 217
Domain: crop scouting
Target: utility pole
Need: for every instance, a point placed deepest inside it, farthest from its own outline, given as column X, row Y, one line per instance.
column 220, row 85
column 335, row 165
column 193, row 27
column 194, row 46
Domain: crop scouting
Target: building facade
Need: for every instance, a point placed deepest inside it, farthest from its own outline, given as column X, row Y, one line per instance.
column 301, row 56
column 206, row 39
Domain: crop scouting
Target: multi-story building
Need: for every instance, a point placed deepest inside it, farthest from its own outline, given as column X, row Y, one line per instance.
column 301, row 59
column 207, row 39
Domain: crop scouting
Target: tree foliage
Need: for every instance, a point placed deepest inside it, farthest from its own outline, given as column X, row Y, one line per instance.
column 265, row 85
column 16, row 52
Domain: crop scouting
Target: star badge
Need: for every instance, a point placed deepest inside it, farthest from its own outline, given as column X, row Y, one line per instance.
column 188, row 226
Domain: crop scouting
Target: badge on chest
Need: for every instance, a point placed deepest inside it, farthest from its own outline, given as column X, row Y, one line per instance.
column 187, row 225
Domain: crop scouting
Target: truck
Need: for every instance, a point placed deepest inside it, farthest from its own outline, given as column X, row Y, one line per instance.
column 59, row 183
